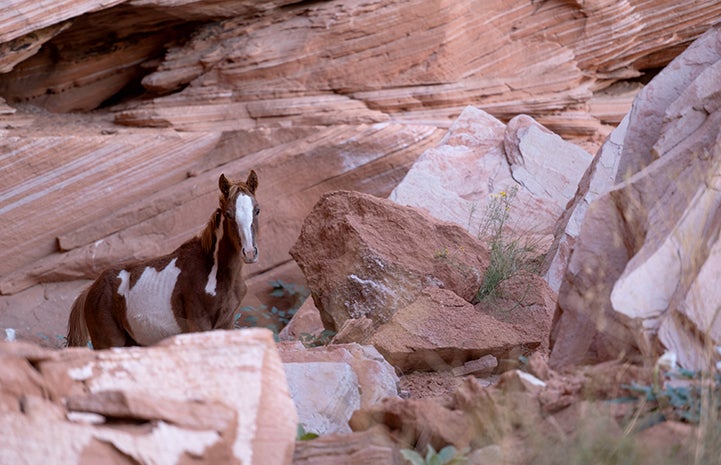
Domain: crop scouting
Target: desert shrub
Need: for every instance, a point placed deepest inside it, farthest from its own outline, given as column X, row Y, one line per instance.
column 510, row 254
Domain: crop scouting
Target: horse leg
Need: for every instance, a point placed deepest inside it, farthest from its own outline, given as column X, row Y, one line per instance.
column 102, row 306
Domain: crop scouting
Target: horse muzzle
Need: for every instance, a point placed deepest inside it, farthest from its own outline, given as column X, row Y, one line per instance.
column 250, row 256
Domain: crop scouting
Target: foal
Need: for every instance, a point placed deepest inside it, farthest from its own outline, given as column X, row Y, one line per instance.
column 197, row 287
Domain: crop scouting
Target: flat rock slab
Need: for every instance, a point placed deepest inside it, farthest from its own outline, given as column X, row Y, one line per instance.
column 218, row 397
column 439, row 331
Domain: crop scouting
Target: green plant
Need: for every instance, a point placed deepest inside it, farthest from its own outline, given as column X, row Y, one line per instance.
column 286, row 297
column 303, row 435
column 315, row 340
column 508, row 255
column 449, row 455
column 683, row 400
column 294, row 294
column 283, row 289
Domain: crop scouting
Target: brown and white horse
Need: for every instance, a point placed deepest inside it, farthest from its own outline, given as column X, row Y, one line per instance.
column 197, row 287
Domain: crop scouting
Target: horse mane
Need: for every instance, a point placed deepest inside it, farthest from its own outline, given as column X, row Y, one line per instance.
column 207, row 237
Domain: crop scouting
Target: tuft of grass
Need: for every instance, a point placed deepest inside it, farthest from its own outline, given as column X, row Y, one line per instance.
column 509, row 255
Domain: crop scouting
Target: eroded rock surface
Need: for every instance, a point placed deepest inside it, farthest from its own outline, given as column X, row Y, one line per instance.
column 377, row 279
column 315, row 96
column 329, row 383
column 640, row 273
column 481, row 158
column 369, row 257
column 219, row 397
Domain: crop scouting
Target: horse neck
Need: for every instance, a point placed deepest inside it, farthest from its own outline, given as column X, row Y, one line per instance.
column 218, row 245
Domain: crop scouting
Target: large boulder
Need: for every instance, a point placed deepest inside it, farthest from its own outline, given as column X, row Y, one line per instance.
column 359, row 448
column 218, row 397
column 368, row 257
column 642, row 274
column 480, row 158
column 599, row 177
column 406, row 283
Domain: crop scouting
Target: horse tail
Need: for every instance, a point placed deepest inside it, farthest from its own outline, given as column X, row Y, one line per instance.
column 78, row 334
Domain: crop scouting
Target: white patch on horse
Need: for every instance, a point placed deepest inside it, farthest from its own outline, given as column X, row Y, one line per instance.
column 148, row 303
column 210, row 287
column 244, row 218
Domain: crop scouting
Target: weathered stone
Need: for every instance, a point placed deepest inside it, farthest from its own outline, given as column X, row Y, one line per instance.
column 257, row 77
column 354, row 330
column 517, row 380
column 178, row 207
column 439, row 330
column 354, row 270
column 220, row 397
column 165, row 214
column 481, row 158
column 646, row 250
column 305, row 324
column 538, row 366
column 481, row 366
column 123, row 405
column 22, row 312
column 71, row 174
column 416, row 421
column 358, row 448
column 325, row 395
column 598, row 179
column 375, row 378
column 329, row 383
column 399, row 68
column 452, row 181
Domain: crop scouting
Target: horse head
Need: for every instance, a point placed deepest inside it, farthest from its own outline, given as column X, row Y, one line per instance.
column 240, row 209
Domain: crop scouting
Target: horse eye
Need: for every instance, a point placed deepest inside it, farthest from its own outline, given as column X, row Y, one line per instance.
column 230, row 214
column 257, row 211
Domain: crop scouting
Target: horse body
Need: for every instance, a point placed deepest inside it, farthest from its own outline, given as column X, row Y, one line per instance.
column 197, row 287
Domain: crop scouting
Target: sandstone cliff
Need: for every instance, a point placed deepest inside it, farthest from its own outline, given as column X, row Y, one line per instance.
column 119, row 115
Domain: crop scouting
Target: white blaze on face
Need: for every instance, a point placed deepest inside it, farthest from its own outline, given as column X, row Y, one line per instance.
column 244, row 218
column 149, row 308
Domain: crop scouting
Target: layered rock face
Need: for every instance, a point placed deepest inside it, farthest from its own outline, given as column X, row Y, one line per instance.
column 119, row 116
column 330, row 60
column 641, row 273
column 480, row 159
column 315, row 97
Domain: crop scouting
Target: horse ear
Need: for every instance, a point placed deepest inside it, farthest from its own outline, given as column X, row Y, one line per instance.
column 224, row 185
column 252, row 181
